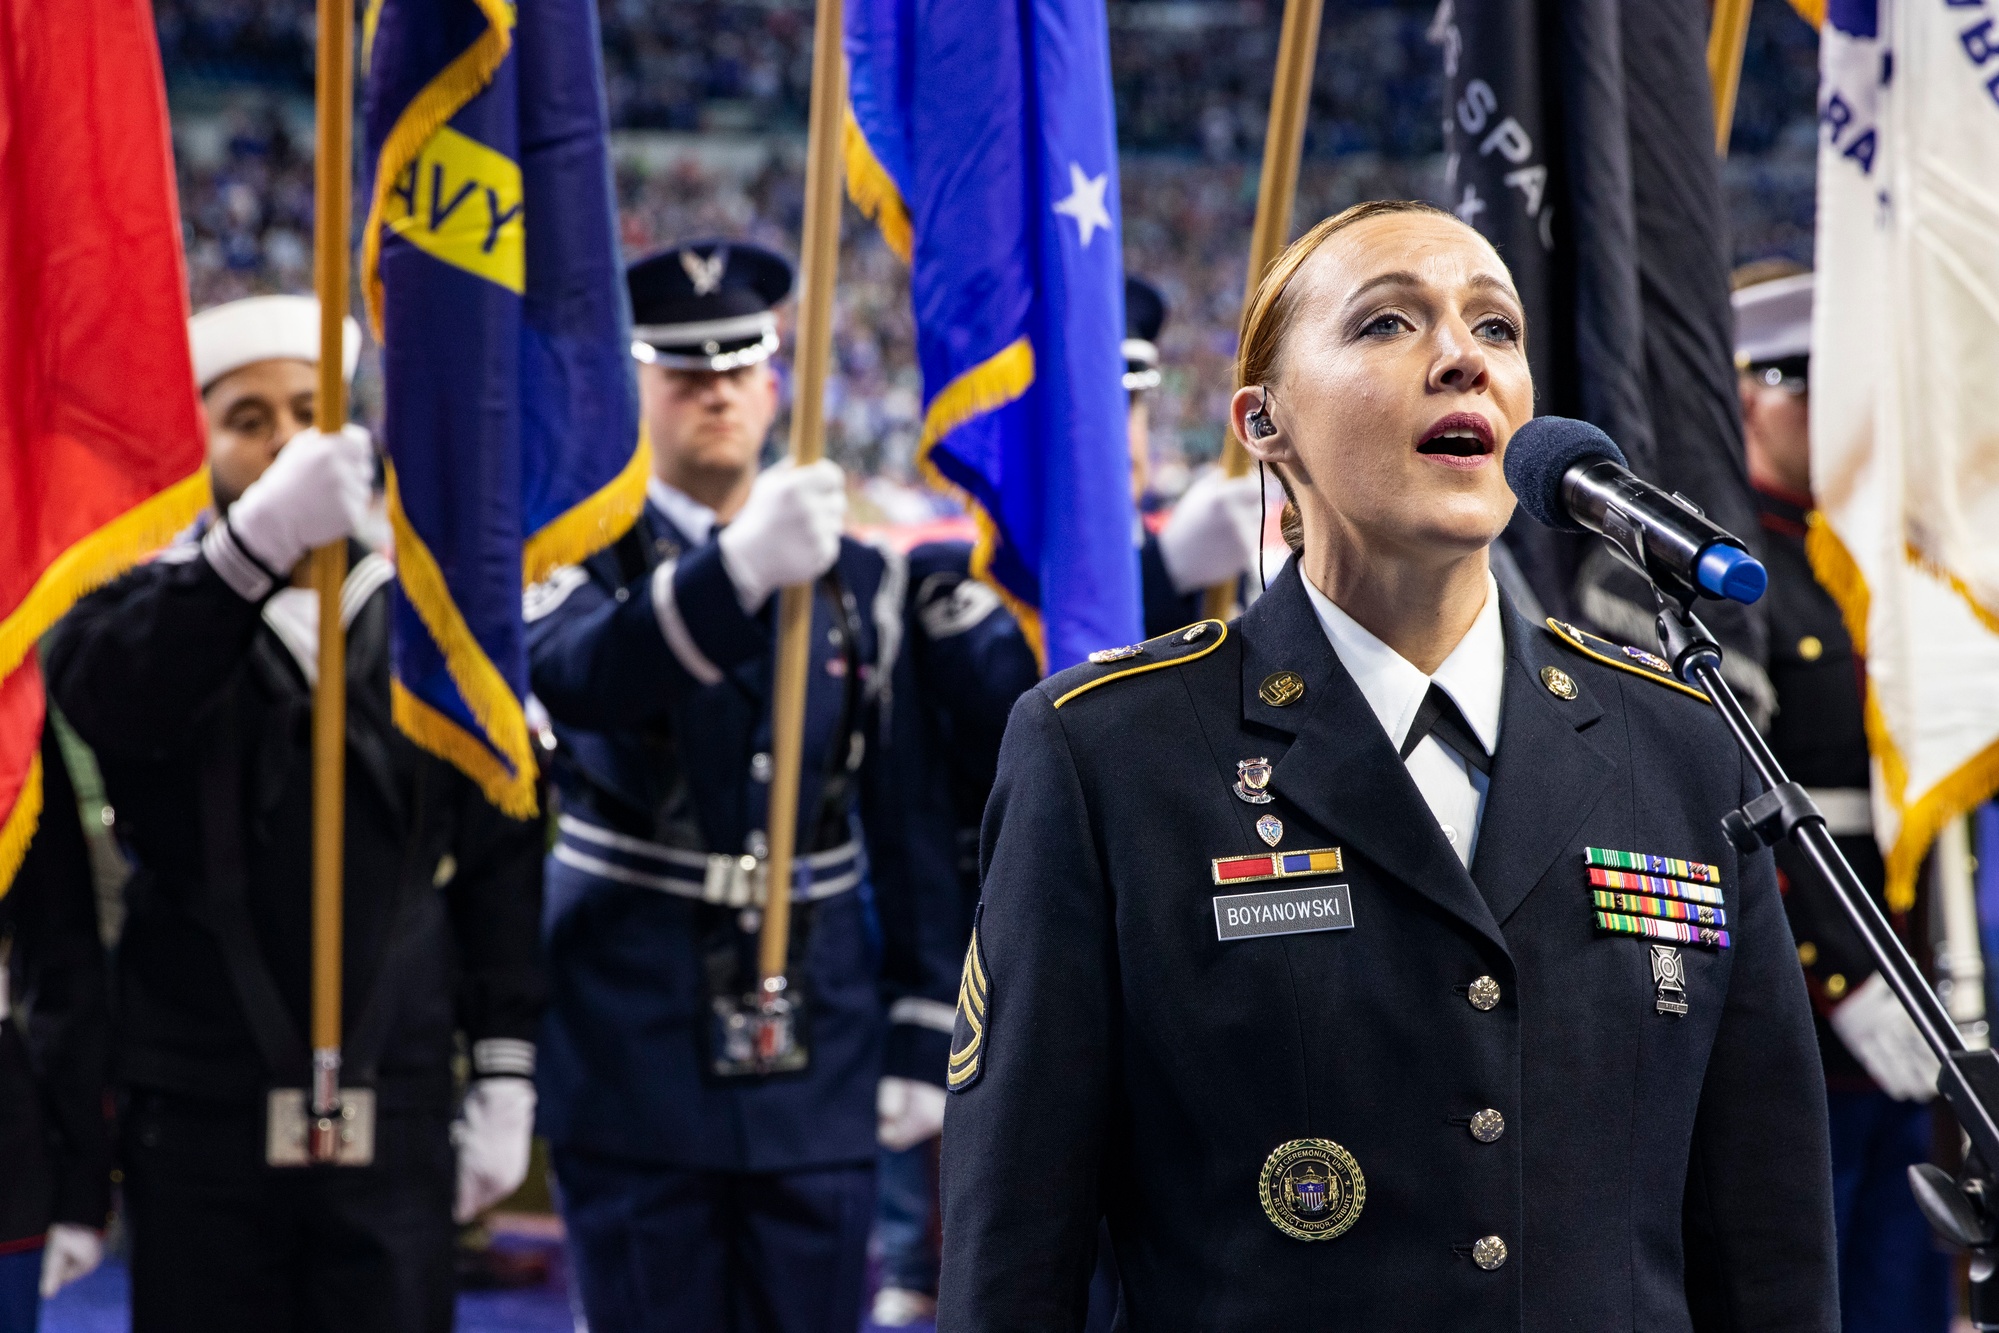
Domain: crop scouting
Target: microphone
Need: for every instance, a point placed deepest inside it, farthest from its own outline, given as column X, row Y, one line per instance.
column 1572, row 477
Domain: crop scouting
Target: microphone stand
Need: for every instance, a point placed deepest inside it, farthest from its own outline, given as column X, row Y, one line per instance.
column 1964, row 1210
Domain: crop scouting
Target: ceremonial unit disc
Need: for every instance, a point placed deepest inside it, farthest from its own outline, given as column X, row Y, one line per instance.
column 1312, row 1189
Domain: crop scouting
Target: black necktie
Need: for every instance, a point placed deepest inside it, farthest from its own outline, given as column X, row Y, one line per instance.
column 1440, row 717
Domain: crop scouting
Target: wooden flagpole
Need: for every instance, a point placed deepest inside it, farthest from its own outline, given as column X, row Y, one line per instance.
column 1276, row 193
column 1727, row 36
column 332, row 206
column 819, row 258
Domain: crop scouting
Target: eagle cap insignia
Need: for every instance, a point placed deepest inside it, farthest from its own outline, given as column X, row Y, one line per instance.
column 705, row 274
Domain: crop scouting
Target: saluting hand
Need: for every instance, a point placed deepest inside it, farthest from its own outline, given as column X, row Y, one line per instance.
column 314, row 492
column 788, row 531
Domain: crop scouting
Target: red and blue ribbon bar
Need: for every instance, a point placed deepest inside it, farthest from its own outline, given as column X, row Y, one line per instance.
column 1276, row 865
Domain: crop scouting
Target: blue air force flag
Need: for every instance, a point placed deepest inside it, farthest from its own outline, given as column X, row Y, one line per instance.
column 981, row 141
column 491, row 270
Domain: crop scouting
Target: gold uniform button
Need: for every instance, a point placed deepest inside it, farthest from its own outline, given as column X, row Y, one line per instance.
column 1835, row 985
column 1483, row 993
column 1558, row 682
column 1488, row 1125
column 1808, row 953
column 1488, row 1252
column 1810, row 648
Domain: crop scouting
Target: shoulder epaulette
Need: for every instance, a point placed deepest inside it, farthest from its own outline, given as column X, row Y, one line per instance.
column 1637, row 661
column 1176, row 649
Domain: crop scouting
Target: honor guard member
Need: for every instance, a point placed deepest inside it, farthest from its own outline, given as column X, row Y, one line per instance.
column 1377, row 959
column 1215, row 530
column 710, row 1181
column 192, row 678
column 55, row 1149
column 1880, row 1076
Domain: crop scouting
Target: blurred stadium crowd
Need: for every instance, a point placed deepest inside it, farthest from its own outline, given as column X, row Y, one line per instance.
column 710, row 96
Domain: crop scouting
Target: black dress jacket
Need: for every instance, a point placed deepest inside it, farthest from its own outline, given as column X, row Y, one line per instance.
column 1115, row 1058
column 55, row 1146
column 202, row 723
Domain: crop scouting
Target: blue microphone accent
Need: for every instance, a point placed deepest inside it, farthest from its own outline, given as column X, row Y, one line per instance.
column 1734, row 574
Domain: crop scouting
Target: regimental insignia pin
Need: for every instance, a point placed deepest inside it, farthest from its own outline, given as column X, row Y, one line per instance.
column 1281, row 689
column 1103, row 655
column 1312, row 1189
column 1252, row 776
column 1271, row 829
column 1559, row 682
column 1669, row 974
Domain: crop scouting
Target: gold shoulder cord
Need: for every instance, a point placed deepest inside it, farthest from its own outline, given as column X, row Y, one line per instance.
column 1567, row 634
column 1140, row 670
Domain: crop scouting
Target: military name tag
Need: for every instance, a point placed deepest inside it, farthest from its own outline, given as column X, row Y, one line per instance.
column 1244, row 916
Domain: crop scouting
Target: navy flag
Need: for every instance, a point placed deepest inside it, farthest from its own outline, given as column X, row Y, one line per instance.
column 491, row 270
column 981, row 141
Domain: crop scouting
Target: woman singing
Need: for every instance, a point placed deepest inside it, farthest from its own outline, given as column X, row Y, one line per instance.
column 1377, row 961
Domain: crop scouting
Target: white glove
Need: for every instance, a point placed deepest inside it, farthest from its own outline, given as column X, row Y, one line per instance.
column 907, row 1112
column 70, row 1252
column 314, row 492
column 1874, row 1026
column 1214, row 532
column 788, row 532
column 493, row 1139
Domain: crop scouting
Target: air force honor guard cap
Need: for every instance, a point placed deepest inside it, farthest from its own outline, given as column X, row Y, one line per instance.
column 1773, row 327
column 228, row 337
column 1144, row 316
column 707, row 305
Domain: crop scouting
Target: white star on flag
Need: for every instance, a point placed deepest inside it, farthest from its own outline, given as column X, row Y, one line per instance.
column 1086, row 202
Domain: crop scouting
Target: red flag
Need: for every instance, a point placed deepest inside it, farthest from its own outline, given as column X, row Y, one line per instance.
column 101, row 437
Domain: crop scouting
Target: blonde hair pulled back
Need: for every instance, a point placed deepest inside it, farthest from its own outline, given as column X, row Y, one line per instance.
column 1268, row 316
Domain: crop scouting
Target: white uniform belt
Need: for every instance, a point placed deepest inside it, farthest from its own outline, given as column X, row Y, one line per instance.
column 708, row 877
column 1848, row 811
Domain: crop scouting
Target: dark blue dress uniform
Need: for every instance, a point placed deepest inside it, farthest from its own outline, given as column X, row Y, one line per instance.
column 663, row 772
column 1483, row 1088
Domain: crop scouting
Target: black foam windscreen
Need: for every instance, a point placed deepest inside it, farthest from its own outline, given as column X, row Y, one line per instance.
column 1540, row 452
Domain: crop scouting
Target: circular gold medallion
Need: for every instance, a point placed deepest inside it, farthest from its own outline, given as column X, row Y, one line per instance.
column 1811, row 648
column 1312, row 1189
column 1558, row 682
column 1281, row 689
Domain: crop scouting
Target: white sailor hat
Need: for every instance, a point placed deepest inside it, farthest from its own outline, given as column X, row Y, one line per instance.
column 235, row 334
column 1773, row 321
column 707, row 305
column 1144, row 317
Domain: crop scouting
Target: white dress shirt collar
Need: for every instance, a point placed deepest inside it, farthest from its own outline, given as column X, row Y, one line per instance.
column 694, row 519
column 1472, row 675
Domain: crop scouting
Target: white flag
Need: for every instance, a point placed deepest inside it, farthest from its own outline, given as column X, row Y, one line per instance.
column 1905, row 397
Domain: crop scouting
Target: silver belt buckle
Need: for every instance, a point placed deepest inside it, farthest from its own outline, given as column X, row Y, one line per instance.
column 735, row 881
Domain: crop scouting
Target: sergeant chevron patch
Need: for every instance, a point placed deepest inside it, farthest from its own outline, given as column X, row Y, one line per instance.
column 968, row 1032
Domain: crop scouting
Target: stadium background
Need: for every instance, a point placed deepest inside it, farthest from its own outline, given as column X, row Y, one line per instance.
column 708, row 101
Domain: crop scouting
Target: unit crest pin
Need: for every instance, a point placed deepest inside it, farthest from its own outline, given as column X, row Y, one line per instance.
column 1252, row 777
